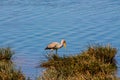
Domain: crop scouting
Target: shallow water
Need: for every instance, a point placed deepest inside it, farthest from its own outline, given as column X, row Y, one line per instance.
column 28, row 26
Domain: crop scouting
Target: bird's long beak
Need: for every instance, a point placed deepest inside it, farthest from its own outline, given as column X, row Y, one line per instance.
column 64, row 44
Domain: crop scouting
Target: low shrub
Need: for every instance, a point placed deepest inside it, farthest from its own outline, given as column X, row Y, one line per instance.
column 6, row 53
column 95, row 63
column 7, row 68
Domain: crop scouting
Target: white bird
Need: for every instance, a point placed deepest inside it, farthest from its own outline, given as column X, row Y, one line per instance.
column 56, row 45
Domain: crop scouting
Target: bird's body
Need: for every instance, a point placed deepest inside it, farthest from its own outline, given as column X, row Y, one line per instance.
column 56, row 45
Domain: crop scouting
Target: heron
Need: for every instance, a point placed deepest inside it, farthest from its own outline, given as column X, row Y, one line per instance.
column 56, row 45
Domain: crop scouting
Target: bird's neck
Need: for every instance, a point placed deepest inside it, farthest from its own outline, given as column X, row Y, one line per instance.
column 61, row 45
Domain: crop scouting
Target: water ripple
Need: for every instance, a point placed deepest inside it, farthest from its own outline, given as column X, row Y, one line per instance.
column 28, row 28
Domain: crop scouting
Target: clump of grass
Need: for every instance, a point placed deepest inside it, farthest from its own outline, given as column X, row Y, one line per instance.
column 8, row 71
column 7, row 68
column 95, row 63
column 6, row 53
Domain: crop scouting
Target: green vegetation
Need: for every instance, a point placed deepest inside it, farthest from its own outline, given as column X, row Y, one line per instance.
column 6, row 53
column 7, row 68
column 95, row 63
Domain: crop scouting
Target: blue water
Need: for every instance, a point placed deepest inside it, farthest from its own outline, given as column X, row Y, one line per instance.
column 27, row 26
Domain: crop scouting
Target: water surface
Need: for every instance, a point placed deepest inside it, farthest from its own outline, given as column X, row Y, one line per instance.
column 28, row 26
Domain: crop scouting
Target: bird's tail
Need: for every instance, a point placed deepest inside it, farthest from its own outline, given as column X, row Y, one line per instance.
column 47, row 48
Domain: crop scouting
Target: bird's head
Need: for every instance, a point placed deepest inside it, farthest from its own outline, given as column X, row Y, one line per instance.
column 64, row 43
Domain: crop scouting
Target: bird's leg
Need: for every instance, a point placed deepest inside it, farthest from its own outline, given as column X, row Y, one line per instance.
column 56, row 51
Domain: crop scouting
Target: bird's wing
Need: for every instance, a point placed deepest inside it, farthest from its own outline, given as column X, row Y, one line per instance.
column 52, row 45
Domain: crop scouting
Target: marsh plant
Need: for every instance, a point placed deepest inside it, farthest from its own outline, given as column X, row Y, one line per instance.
column 95, row 63
column 6, row 53
column 7, row 68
